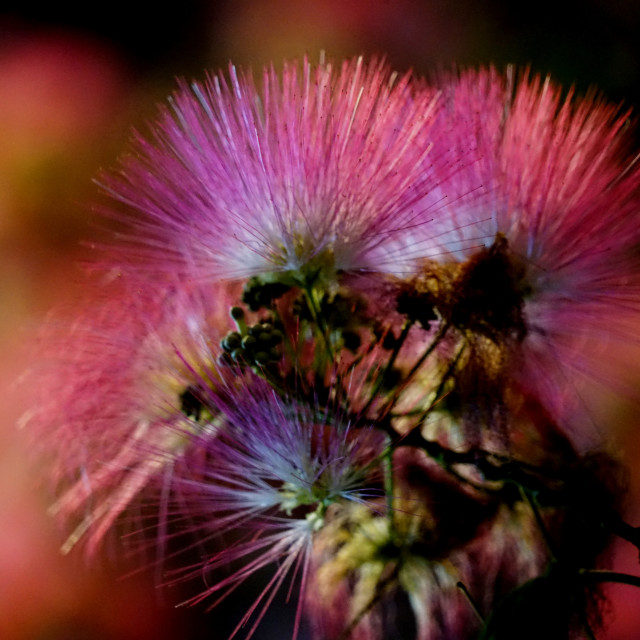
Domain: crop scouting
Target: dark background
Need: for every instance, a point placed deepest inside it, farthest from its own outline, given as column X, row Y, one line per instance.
column 586, row 42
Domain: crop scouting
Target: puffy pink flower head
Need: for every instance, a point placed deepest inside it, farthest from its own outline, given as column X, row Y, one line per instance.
column 315, row 172
column 546, row 252
column 116, row 399
column 266, row 483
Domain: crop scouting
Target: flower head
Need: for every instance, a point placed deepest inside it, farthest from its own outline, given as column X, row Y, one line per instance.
column 544, row 255
column 118, row 394
column 420, row 570
column 267, row 482
column 313, row 174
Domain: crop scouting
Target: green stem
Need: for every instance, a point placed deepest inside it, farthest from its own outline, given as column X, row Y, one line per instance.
column 447, row 375
column 472, row 603
column 623, row 529
column 387, row 466
column 316, row 315
column 530, row 499
column 439, row 393
column 289, row 346
column 442, row 331
column 406, row 327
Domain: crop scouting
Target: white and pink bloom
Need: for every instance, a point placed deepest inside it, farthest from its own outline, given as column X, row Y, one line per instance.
column 264, row 486
column 116, row 392
column 544, row 254
column 421, row 570
column 314, row 172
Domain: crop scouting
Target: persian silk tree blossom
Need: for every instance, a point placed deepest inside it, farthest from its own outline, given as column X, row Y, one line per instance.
column 379, row 583
column 315, row 172
column 267, row 483
column 545, row 259
column 118, row 394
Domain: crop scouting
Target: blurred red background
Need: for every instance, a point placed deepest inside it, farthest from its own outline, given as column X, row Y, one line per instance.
column 72, row 82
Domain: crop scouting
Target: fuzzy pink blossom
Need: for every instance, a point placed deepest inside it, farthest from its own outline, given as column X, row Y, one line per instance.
column 558, row 206
column 114, row 392
column 319, row 170
column 265, row 486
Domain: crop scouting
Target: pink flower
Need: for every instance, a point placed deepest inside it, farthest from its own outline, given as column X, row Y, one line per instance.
column 266, row 484
column 547, row 248
column 316, row 172
column 116, row 397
